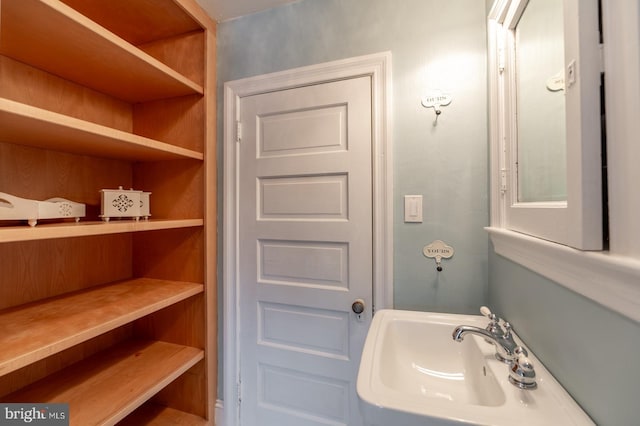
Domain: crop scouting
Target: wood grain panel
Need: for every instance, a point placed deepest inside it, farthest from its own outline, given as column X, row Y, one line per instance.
column 210, row 227
column 152, row 414
column 38, row 370
column 85, row 53
column 182, row 323
column 187, row 392
column 40, row 128
column 35, row 270
column 139, row 21
column 70, row 229
column 34, row 331
column 40, row 174
column 170, row 254
column 29, row 85
column 124, row 377
column 176, row 187
column 178, row 121
column 183, row 53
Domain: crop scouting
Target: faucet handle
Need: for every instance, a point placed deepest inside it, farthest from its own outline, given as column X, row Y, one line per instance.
column 522, row 374
column 487, row 313
column 520, row 351
column 507, row 329
column 494, row 324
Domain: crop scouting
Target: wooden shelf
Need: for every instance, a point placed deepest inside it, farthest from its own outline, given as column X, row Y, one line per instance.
column 27, row 125
column 37, row 330
column 158, row 415
column 86, row 229
column 95, row 94
column 54, row 37
column 140, row 21
column 105, row 388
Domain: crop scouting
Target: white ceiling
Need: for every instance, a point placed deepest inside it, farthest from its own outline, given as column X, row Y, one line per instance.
column 223, row 10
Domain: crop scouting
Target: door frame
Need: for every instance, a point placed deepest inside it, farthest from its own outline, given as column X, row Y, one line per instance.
column 378, row 67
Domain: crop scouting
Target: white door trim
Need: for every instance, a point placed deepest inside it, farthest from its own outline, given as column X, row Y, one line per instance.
column 378, row 67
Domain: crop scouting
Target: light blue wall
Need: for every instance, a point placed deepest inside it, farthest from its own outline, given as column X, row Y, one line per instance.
column 435, row 45
column 592, row 351
column 442, row 44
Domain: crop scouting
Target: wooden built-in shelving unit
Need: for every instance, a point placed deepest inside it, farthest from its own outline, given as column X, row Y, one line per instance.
column 117, row 318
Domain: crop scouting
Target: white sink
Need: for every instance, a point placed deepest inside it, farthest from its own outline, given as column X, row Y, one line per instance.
column 413, row 373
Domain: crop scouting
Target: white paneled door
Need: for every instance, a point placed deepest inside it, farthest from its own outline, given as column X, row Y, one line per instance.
column 305, row 250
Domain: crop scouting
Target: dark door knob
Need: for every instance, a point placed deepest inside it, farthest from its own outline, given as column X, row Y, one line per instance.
column 358, row 306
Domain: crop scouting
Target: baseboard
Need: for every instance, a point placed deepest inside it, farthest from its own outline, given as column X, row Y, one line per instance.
column 219, row 413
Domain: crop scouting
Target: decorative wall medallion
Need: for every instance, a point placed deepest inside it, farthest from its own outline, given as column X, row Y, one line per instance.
column 438, row 250
column 436, row 99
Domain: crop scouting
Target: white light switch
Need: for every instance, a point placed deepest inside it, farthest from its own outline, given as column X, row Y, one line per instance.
column 413, row 208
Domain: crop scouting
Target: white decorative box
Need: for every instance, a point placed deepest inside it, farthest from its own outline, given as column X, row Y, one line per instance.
column 121, row 203
column 145, row 205
column 16, row 208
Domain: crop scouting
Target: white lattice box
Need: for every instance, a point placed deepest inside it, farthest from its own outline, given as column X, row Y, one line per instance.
column 124, row 203
column 16, row 208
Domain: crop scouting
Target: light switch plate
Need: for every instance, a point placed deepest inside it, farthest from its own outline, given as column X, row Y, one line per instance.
column 413, row 208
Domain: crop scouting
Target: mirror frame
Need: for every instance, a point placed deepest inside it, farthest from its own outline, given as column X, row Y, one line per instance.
column 609, row 278
column 578, row 222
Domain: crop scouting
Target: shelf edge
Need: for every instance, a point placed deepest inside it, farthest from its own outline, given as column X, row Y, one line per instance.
column 88, row 229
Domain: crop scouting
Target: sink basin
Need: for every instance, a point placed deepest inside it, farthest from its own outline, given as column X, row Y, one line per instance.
column 416, row 367
column 413, row 373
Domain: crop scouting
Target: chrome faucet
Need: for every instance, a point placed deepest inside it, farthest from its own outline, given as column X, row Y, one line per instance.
column 504, row 343
column 493, row 333
column 508, row 351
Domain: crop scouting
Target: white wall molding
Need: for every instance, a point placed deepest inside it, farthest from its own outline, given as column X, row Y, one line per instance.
column 378, row 67
column 610, row 280
column 219, row 420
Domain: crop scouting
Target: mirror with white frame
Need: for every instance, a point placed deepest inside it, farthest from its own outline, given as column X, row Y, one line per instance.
column 545, row 77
